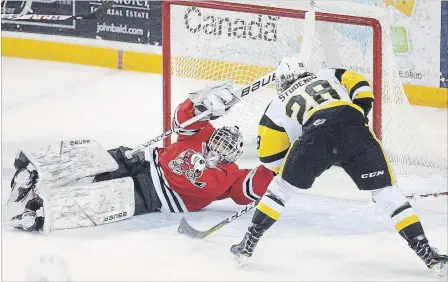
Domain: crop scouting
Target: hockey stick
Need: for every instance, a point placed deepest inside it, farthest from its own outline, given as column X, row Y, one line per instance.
column 102, row 9
column 187, row 229
column 262, row 82
column 435, row 195
column 162, row 136
column 238, row 94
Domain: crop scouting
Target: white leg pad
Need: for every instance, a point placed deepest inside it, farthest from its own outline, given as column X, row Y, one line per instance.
column 88, row 205
column 389, row 198
column 61, row 163
column 281, row 188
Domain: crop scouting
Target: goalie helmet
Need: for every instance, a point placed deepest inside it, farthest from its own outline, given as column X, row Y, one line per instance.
column 227, row 143
column 288, row 71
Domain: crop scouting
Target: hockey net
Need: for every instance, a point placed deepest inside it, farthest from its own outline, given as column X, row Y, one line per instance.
column 206, row 41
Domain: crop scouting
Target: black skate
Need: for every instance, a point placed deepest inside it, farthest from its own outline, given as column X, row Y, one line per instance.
column 433, row 260
column 32, row 218
column 243, row 251
column 24, row 179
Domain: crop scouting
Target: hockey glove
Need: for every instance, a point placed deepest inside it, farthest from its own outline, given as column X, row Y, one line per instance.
column 215, row 97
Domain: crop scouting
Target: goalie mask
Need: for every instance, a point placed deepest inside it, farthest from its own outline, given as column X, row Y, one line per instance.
column 288, row 71
column 227, row 143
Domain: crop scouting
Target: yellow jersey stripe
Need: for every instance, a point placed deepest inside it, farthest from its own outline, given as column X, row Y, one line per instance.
column 274, row 157
column 271, row 142
column 350, row 80
column 268, row 211
column 333, row 104
column 389, row 167
column 364, row 94
column 406, row 222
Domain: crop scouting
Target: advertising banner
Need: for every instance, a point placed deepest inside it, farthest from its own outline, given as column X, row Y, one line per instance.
column 444, row 46
column 40, row 7
column 130, row 21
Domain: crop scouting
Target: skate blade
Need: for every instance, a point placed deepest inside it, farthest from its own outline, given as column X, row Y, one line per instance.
column 440, row 269
column 241, row 259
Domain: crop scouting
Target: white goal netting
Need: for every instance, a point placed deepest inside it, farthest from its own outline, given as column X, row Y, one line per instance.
column 214, row 44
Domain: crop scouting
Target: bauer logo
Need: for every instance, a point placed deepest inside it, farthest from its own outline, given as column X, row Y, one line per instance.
column 257, row 85
column 251, row 27
column 115, row 216
column 79, row 142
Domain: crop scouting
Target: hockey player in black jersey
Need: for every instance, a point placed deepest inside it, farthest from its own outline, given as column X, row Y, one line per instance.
column 320, row 120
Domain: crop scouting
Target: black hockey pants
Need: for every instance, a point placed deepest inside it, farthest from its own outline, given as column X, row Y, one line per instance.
column 145, row 195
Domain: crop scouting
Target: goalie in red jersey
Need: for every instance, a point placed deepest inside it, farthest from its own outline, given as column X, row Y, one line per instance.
column 77, row 183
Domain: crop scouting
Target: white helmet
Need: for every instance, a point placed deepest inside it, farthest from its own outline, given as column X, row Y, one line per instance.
column 288, row 71
column 227, row 143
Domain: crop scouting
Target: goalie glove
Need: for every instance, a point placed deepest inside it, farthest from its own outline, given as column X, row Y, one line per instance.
column 216, row 97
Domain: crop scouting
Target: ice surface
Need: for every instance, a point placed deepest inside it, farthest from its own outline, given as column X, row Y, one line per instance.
column 331, row 233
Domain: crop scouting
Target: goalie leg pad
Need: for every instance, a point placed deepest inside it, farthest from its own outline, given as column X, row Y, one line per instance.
column 63, row 163
column 88, row 205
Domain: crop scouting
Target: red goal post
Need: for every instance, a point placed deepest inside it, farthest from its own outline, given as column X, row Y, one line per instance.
column 269, row 11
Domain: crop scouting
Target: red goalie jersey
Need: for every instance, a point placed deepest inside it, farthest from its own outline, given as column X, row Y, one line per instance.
column 181, row 187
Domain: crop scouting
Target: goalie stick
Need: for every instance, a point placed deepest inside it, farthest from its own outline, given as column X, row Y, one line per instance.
column 238, row 95
column 187, row 229
column 102, row 9
column 304, row 54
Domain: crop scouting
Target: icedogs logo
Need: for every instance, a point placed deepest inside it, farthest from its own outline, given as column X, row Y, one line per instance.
column 190, row 163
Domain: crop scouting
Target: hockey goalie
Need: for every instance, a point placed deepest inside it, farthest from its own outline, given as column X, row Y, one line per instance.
column 77, row 183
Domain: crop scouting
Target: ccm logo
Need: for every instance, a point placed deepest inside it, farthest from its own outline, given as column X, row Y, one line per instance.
column 372, row 174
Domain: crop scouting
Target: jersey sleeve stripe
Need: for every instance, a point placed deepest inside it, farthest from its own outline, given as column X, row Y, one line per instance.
column 248, row 188
column 338, row 73
column 176, row 121
column 357, row 86
column 271, row 141
column 171, row 201
column 363, row 94
column 183, row 131
column 267, row 122
column 274, row 166
column 187, row 132
column 275, row 157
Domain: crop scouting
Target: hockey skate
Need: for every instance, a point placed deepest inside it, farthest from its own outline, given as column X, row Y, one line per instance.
column 243, row 251
column 433, row 260
column 32, row 218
